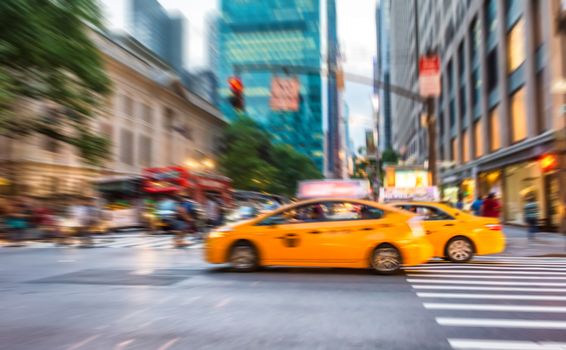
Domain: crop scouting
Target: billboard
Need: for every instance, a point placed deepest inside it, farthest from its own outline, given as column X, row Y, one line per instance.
column 429, row 76
column 285, row 94
column 370, row 143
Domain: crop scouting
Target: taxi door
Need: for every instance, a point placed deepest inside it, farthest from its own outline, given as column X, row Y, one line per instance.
column 439, row 226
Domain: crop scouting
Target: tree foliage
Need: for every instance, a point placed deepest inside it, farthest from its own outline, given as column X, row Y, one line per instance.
column 254, row 163
column 46, row 56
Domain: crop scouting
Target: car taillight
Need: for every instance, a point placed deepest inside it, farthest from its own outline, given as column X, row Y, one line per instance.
column 494, row 227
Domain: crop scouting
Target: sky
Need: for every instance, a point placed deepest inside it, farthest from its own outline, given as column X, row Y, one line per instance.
column 356, row 33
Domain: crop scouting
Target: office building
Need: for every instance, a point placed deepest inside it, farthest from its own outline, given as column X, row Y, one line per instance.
column 382, row 73
column 499, row 119
column 161, row 32
column 278, row 34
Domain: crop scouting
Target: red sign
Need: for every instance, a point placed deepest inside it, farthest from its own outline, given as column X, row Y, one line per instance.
column 429, row 76
column 285, row 94
column 333, row 189
column 165, row 180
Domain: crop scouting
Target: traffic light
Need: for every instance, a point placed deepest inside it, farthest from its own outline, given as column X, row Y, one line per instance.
column 237, row 89
column 548, row 162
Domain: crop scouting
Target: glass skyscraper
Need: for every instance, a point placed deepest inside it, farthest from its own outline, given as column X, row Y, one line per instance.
column 279, row 33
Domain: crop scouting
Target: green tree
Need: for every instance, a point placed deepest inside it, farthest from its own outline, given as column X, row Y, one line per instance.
column 389, row 156
column 46, row 55
column 253, row 163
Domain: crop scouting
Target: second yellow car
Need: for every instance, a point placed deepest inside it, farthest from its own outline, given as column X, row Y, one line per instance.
column 457, row 236
column 323, row 233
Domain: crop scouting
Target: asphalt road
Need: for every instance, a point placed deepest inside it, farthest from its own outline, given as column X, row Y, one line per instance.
column 142, row 297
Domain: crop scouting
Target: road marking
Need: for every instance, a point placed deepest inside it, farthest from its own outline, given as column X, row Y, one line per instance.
column 487, row 272
column 500, row 289
column 83, row 343
column 123, row 344
column 491, row 296
column 223, row 303
column 495, row 283
column 503, row 323
column 169, row 344
column 484, row 267
column 478, row 344
column 494, row 307
column 446, row 275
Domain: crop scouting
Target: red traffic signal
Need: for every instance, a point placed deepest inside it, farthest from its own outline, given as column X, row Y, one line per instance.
column 237, row 89
column 548, row 162
column 236, row 85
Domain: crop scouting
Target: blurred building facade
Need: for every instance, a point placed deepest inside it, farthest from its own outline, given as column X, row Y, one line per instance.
column 382, row 72
column 498, row 115
column 162, row 33
column 407, row 136
column 272, row 32
column 151, row 119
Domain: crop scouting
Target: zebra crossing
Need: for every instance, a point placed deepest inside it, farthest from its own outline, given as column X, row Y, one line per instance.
column 496, row 303
column 130, row 240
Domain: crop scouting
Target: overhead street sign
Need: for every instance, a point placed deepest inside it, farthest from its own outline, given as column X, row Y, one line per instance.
column 429, row 76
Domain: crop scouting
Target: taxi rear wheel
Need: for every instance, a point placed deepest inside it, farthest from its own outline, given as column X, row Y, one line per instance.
column 459, row 249
column 386, row 259
column 243, row 257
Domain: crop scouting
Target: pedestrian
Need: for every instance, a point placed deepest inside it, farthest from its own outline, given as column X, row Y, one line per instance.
column 531, row 214
column 17, row 221
column 477, row 205
column 86, row 216
column 44, row 220
column 460, row 202
column 186, row 219
column 212, row 212
column 491, row 207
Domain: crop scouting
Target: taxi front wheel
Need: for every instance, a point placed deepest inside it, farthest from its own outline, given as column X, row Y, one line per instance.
column 459, row 249
column 386, row 259
column 243, row 257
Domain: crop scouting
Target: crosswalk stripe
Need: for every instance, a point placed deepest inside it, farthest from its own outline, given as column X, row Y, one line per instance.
column 497, row 262
column 521, row 277
column 485, row 267
column 480, row 344
column 503, row 323
column 495, row 307
column 495, row 283
column 488, row 272
column 493, row 289
column 491, row 296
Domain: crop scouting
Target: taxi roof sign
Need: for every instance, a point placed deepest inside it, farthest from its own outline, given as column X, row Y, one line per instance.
column 354, row 189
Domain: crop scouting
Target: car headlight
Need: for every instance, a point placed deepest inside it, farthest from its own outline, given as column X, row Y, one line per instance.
column 416, row 226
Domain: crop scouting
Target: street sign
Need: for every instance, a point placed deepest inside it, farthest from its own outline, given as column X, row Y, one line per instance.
column 429, row 76
column 285, row 94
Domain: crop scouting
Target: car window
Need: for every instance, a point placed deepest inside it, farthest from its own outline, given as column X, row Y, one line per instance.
column 430, row 213
column 324, row 212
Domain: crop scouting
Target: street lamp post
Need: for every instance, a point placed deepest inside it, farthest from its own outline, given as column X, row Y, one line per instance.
column 375, row 107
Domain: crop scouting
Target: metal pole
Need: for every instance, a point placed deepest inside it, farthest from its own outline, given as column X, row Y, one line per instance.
column 431, row 128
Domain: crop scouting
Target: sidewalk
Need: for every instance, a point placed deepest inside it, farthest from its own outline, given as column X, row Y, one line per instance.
column 545, row 243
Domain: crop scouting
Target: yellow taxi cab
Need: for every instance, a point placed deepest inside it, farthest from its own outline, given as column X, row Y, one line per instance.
column 456, row 235
column 323, row 233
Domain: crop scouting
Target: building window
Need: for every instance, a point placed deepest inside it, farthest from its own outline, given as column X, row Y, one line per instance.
column 147, row 115
column 452, row 116
column 537, row 23
column 127, row 145
column 476, row 84
column 475, row 42
column 478, row 139
column 50, row 144
column 491, row 19
column 516, row 46
column 127, row 106
column 518, row 116
column 466, row 146
column 492, row 70
column 539, row 109
column 145, row 150
column 463, row 105
column 169, row 120
column 494, row 130
column 454, row 150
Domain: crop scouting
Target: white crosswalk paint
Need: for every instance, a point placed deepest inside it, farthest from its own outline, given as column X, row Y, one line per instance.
column 502, row 323
column 473, row 344
column 458, row 275
column 495, row 283
column 490, row 267
column 487, row 272
column 493, row 289
column 491, row 296
column 495, row 307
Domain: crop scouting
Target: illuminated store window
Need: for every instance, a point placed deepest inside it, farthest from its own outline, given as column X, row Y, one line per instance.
column 516, row 46
column 518, row 115
column 494, row 129
column 478, row 139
